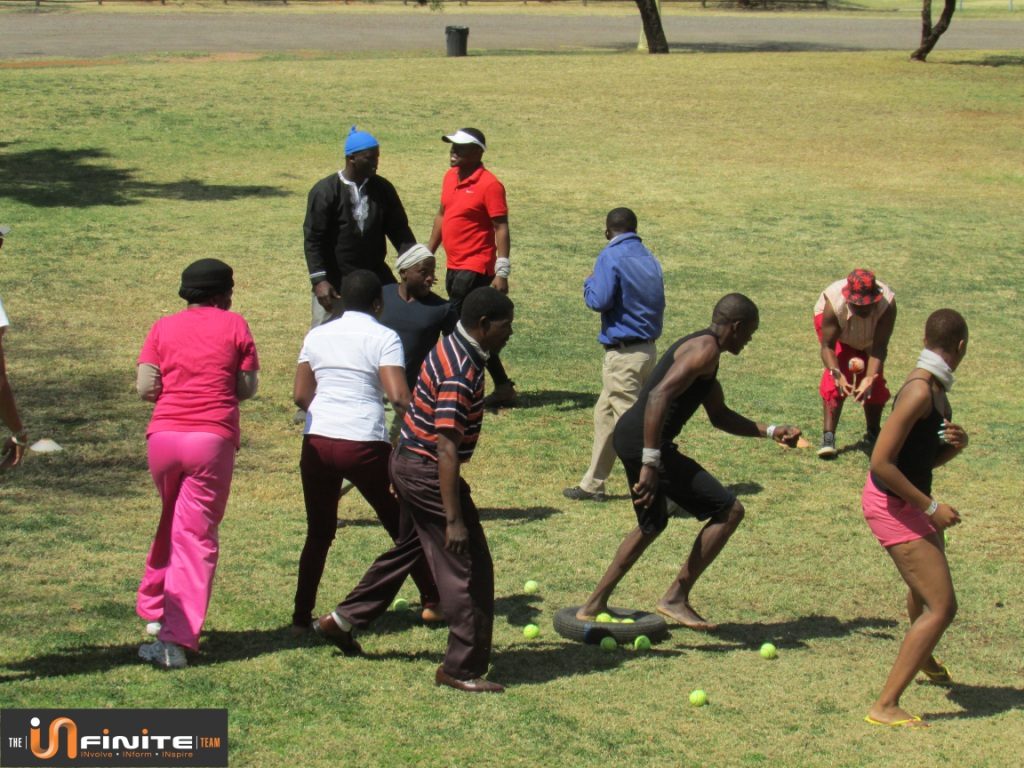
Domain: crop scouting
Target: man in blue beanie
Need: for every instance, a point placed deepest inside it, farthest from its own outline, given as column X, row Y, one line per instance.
column 348, row 216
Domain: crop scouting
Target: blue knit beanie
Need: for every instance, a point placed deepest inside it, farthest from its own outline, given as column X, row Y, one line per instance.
column 357, row 141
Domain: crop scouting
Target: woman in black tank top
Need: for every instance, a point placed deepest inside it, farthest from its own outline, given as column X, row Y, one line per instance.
column 918, row 437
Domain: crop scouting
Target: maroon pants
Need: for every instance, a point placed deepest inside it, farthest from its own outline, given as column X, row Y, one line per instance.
column 465, row 582
column 324, row 464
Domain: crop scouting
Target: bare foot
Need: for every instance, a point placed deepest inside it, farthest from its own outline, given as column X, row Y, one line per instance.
column 589, row 612
column 682, row 613
column 896, row 716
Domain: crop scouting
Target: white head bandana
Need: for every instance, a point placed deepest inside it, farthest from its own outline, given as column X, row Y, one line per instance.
column 414, row 255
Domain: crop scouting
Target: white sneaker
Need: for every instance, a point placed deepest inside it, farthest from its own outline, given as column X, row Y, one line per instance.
column 166, row 655
column 153, row 628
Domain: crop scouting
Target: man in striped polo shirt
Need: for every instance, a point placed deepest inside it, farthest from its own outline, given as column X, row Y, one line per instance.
column 440, row 520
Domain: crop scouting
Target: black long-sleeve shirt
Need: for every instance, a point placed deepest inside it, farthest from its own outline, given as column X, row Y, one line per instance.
column 334, row 245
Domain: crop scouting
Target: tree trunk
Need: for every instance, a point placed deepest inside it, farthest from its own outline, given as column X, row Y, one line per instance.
column 653, row 31
column 930, row 35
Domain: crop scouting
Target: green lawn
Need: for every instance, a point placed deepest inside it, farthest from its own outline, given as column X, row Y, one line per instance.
column 770, row 174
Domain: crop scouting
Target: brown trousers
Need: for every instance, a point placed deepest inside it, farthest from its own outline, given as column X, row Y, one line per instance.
column 465, row 582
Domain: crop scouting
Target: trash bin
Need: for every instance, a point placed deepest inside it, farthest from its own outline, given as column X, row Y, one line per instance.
column 457, row 39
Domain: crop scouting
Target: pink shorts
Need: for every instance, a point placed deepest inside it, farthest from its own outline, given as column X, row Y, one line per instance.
column 891, row 519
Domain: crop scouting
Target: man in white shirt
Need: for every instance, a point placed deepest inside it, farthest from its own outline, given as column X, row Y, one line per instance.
column 345, row 369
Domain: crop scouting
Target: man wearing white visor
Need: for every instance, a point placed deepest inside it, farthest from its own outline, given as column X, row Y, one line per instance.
column 472, row 225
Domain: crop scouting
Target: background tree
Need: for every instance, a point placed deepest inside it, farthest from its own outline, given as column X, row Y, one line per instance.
column 653, row 31
column 929, row 35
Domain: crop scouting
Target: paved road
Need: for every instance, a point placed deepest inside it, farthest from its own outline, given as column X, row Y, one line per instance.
column 29, row 35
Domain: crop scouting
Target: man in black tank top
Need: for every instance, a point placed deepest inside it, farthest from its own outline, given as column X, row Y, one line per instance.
column 685, row 378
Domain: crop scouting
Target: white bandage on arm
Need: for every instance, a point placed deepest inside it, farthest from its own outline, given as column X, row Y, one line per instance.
column 502, row 267
column 651, row 457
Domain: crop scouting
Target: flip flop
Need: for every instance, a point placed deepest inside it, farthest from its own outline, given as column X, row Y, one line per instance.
column 914, row 722
column 942, row 677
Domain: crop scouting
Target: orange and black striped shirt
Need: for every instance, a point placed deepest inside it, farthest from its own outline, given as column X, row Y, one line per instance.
column 449, row 395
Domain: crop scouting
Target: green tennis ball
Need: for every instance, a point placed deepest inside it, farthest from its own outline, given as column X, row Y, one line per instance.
column 768, row 651
column 531, row 587
column 698, row 698
column 608, row 644
column 628, row 621
column 605, row 617
column 642, row 643
column 530, row 631
column 401, row 605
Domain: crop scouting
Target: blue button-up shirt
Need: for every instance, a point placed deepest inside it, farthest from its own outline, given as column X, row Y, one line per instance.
column 628, row 289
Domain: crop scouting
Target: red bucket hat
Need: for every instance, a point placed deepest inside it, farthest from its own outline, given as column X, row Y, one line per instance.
column 861, row 288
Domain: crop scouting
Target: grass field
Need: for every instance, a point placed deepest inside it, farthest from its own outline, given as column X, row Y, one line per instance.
column 770, row 174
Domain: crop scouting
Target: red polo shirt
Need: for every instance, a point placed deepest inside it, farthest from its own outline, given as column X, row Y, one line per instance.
column 467, row 229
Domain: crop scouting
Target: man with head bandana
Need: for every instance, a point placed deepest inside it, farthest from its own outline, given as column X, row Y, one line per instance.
column 349, row 215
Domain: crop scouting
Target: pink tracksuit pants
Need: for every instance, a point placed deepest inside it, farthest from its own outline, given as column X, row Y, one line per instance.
column 192, row 472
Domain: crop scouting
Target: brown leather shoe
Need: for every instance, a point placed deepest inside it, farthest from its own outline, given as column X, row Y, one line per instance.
column 476, row 685
column 326, row 628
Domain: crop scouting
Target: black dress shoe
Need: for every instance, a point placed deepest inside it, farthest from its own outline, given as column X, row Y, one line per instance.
column 328, row 629
column 476, row 685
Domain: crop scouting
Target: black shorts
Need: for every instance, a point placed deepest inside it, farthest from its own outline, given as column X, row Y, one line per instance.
column 687, row 483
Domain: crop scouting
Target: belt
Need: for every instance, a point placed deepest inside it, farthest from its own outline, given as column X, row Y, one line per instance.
column 624, row 344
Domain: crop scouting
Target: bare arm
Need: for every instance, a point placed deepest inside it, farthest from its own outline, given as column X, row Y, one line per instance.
column 304, row 388
column 247, row 384
column 912, row 405
column 435, row 232
column 503, row 244
column 830, row 331
column 456, row 535
column 724, row 418
column 877, row 353
column 396, row 389
column 692, row 360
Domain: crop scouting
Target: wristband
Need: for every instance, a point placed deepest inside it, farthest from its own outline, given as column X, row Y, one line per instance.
column 651, row 457
column 770, row 431
column 502, row 267
column 932, row 508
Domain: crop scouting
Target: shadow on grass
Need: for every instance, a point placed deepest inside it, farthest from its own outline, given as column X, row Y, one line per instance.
column 795, row 633
column 79, row 178
column 543, row 661
column 562, row 400
column 521, row 514
column 981, row 701
column 997, row 60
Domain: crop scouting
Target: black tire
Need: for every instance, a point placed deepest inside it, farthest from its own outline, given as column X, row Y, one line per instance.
column 592, row 632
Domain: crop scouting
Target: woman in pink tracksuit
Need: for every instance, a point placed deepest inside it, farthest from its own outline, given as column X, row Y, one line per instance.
column 196, row 366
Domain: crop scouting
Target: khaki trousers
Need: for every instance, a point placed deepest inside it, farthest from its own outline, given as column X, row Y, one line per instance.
column 622, row 376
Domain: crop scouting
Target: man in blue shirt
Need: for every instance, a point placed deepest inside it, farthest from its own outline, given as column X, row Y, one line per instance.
column 628, row 289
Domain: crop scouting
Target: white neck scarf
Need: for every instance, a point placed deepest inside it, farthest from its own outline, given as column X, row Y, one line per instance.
column 937, row 367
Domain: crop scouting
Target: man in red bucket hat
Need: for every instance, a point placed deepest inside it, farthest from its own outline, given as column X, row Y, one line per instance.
column 854, row 318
